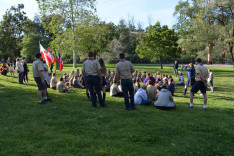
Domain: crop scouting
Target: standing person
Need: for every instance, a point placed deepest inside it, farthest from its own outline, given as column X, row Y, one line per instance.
column 39, row 78
column 20, row 70
column 191, row 76
column 176, row 66
column 93, row 78
column 25, row 65
column 11, row 69
column 201, row 76
column 124, row 70
column 46, row 77
column 210, row 80
column 14, row 62
column 103, row 72
column 8, row 61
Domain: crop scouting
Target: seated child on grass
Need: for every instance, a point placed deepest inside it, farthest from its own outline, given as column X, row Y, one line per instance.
column 114, row 90
column 181, row 80
column 171, row 86
column 61, row 87
column 140, row 97
column 151, row 91
column 53, row 82
column 164, row 100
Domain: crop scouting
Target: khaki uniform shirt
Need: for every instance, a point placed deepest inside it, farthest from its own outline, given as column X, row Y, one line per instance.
column 201, row 70
column 151, row 92
column 124, row 69
column 114, row 90
column 91, row 67
column 37, row 66
column 53, row 82
column 60, row 87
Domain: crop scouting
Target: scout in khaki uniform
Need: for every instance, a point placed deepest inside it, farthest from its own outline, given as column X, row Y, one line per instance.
column 93, row 79
column 201, row 76
column 124, row 70
column 39, row 78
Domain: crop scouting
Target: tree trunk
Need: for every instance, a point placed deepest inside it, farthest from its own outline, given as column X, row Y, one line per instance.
column 231, row 53
column 73, row 36
column 160, row 60
column 210, row 49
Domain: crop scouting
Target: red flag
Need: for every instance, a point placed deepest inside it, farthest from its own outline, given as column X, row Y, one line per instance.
column 60, row 61
column 46, row 55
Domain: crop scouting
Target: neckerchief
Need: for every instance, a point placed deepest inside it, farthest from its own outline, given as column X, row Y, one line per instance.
column 91, row 59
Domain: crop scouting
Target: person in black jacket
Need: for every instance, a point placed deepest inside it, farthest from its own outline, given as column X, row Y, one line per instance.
column 176, row 66
column 25, row 65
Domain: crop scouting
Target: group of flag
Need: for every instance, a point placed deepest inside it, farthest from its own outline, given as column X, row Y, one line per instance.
column 51, row 58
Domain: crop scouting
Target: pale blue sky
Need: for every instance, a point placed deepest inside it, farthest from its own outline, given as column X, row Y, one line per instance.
column 114, row 10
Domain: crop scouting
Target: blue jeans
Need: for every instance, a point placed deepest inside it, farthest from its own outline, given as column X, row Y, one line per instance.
column 94, row 81
column 146, row 102
column 20, row 77
column 127, row 87
column 180, row 84
column 176, row 72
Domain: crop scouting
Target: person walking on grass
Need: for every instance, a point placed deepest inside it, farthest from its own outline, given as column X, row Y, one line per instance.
column 124, row 70
column 25, row 65
column 201, row 76
column 103, row 72
column 210, row 80
column 191, row 76
column 39, row 78
column 176, row 66
column 93, row 78
column 20, row 70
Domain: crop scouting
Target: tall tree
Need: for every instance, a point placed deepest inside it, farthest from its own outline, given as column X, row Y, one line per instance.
column 158, row 42
column 72, row 12
column 12, row 30
column 203, row 23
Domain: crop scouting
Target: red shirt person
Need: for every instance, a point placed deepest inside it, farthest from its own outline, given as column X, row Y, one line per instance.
column 4, row 69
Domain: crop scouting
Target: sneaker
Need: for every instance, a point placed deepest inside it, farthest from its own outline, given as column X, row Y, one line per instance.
column 203, row 108
column 103, row 106
column 134, row 108
column 190, row 107
column 48, row 99
column 42, row 103
column 125, row 108
column 212, row 91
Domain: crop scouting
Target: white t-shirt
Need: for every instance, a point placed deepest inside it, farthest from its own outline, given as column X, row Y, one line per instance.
column 19, row 66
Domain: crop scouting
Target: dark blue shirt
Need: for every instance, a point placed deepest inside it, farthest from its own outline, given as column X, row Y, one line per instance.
column 191, row 72
column 171, row 88
column 151, row 78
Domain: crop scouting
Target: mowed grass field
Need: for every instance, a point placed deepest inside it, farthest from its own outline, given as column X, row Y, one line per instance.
column 70, row 126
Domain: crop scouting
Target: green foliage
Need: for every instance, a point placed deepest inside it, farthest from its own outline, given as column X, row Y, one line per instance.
column 62, row 18
column 12, row 31
column 204, row 26
column 158, row 42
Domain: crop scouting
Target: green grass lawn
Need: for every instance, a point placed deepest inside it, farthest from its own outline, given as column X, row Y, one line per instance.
column 70, row 126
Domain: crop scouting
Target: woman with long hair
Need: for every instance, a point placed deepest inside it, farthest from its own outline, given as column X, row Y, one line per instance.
column 103, row 72
column 191, row 77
